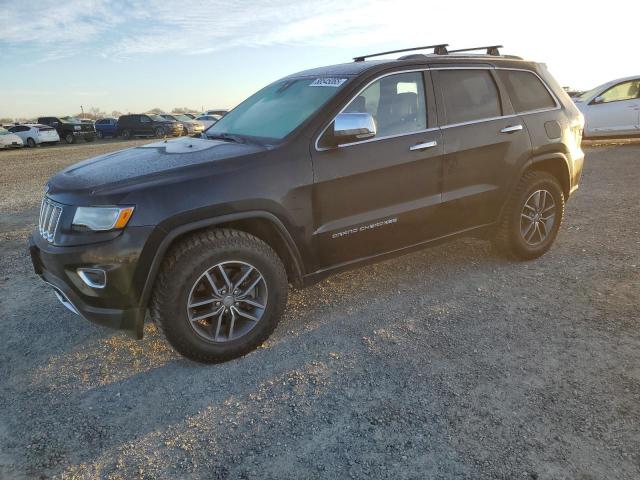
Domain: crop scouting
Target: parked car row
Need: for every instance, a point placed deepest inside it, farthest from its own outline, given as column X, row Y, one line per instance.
column 50, row 130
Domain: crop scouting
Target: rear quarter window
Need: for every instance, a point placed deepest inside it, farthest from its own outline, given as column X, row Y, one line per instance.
column 526, row 91
column 469, row 95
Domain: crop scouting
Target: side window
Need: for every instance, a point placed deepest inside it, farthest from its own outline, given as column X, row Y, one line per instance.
column 144, row 119
column 469, row 95
column 622, row 91
column 396, row 103
column 100, row 122
column 526, row 91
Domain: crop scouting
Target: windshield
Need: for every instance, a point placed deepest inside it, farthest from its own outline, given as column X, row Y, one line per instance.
column 583, row 97
column 3, row 131
column 276, row 110
column 182, row 118
column 157, row 118
column 69, row 120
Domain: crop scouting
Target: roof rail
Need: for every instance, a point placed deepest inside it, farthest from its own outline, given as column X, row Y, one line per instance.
column 439, row 49
column 491, row 50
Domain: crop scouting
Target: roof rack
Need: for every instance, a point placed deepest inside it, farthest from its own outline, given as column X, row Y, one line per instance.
column 440, row 49
column 491, row 50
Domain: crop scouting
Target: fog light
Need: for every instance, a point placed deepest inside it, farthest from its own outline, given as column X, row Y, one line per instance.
column 93, row 277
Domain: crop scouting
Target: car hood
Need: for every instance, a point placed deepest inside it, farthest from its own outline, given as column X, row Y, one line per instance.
column 146, row 162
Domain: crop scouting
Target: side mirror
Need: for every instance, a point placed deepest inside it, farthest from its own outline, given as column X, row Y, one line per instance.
column 598, row 99
column 351, row 127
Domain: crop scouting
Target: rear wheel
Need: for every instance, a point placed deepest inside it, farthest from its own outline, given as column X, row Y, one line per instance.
column 126, row 134
column 219, row 295
column 31, row 142
column 69, row 138
column 159, row 132
column 532, row 217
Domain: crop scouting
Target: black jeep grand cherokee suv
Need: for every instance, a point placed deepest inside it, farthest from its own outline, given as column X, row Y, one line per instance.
column 321, row 171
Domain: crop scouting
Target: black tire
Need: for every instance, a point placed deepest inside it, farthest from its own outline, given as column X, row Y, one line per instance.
column 185, row 132
column 31, row 143
column 100, row 134
column 514, row 228
column 70, row 138
column 182, row 268
column 126, row 134
column 159, row 132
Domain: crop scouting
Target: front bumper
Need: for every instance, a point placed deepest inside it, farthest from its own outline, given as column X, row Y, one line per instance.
column 118, row 304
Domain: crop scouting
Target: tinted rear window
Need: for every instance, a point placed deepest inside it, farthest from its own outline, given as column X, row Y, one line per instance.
column 469, row 95
column 526, row 91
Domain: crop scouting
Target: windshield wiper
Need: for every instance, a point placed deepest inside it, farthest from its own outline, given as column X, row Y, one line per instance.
column 226, row 137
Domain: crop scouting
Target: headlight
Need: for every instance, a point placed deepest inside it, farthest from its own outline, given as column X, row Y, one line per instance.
column 102, row 218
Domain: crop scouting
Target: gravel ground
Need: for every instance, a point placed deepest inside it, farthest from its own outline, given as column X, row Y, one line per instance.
column 446, row 363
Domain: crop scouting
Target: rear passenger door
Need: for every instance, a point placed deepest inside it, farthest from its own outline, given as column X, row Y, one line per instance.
column 484, row 144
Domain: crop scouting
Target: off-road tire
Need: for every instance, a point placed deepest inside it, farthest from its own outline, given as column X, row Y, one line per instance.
column 70, row 138
column 187, row 261
column 509, row 240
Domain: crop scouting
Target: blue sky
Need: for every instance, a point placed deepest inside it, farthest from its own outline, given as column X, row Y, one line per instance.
column 134, row 55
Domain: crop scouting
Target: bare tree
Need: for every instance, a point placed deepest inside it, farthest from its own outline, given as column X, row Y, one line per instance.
column 182, row 110
column 116, row 114
column 156, row 111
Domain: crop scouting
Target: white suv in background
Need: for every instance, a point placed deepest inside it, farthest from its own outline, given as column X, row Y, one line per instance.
column 33, row 134
column 612, row 109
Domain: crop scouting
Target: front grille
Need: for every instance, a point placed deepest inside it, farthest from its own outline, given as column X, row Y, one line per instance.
column 50, row 214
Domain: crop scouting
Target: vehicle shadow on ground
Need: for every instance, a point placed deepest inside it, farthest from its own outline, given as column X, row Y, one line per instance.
column 86, row 364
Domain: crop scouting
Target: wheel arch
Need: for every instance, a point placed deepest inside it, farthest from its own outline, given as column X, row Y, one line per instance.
column 555, row 164
column 263, row 225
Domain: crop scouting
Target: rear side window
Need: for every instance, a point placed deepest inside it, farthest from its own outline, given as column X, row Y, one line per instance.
column 469, row 95
column 526, row 91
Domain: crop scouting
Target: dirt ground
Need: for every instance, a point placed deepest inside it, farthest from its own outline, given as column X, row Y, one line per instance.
column 447, row 363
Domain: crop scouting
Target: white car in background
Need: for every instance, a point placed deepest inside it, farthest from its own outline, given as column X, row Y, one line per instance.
column 208, row 120
column 9, row 140
column 612, row 109
column 33, row 134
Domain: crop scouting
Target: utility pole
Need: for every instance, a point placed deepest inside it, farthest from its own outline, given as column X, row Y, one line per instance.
column 82, row 111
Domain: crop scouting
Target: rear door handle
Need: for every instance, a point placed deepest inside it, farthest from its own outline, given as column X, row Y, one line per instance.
column 511, row 129
column 423, row 146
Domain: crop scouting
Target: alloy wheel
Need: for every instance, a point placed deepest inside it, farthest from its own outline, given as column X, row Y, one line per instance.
column 227, row 301
column 538, row 217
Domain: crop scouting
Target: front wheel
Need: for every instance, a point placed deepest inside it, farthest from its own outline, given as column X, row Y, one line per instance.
column 31, row 142
column 532, row 217
column 69, row 138
column 100, row 134
column 219, row 295
column 126, row 134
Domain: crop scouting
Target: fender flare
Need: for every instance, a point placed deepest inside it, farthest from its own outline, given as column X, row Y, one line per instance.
column 531, row 162
column 209, row 222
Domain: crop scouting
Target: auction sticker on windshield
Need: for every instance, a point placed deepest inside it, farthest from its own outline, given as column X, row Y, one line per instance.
column 328, row 82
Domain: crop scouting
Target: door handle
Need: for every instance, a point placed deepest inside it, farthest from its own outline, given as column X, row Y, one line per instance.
column 423, row 146
column 511, row 129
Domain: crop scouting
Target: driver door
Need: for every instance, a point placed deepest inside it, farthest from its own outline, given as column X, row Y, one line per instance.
column 384, row 193
column 617, row 110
